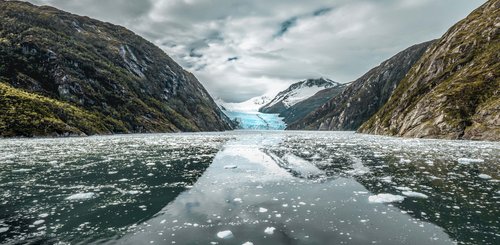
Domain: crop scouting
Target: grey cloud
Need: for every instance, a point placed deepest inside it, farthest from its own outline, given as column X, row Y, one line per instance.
column 276, row 42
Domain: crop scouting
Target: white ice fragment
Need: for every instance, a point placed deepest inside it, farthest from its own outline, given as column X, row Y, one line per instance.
column 415, row 194
column 269, row 230
column 4, row 229
column 134, row 192
column 123, row 180
column 225, row 234
column 81, row 196
column 387, row 179
column 403, row 188
column 484, row 176
column 163, row 221
column 385, row 198
column 112, row 172
column 44, row 215
column 237, row 200
column 248, row 243
column 21, row 170
column 39, row 222
column 262, row 210
column 230, row 167
column 469, row 160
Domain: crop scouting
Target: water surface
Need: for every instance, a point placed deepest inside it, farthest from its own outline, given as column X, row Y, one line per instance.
column 264, row 187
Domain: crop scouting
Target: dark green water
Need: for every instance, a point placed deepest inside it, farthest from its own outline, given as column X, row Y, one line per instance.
column 302, row 187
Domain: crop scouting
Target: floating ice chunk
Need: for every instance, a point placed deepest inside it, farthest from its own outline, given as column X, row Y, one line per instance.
column 44, row 215
column 248, row 243
column 262, row 210
column 123, row 180
column 21, row 170
column 402, row 160
column 415, row 194
column 469, row 160
column 81, row 196
column 484, row 176
column 237, row 200
column 133, row 192
column 387, row 179
column 269, row 230
column 230, row 167
column 39, row 222
column 225, row 234
column 403, row 188
column 385, row 198
column 4, row 229
column 112, row 172
column 163, row 221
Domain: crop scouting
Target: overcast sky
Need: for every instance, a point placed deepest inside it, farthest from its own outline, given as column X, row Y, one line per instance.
column 239, row 49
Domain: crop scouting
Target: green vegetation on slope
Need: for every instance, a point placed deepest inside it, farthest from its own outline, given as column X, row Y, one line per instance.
column 27, row 114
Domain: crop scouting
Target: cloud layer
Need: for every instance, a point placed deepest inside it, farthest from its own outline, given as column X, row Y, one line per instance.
column 243, row 49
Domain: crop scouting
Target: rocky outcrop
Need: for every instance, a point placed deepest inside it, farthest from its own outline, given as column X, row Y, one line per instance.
column 363, row 97
column 67, row 70
column 453, row 91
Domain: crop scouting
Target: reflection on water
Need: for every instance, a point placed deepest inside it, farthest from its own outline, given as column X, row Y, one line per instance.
column 87, row 189
column 261, row 188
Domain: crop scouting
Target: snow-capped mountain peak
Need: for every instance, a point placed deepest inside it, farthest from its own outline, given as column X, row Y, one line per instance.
column 300, row 91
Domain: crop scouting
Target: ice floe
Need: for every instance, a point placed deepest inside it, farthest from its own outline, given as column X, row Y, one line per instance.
column 469, row 160
column 81, row 196
column 414, row 194
column 484, row 176
column 269, row 230
column 385, row 198
column 227, row 234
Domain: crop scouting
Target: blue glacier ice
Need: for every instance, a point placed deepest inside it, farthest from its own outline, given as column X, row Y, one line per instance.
column 257, row 120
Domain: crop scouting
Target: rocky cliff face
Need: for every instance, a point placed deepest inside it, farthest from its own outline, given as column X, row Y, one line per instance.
column 301, row 98
column 453, row 91
column 363, row 97
column 65, row 74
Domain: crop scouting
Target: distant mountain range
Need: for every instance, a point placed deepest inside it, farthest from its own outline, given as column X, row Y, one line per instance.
column 63, row 74
column 358, row 101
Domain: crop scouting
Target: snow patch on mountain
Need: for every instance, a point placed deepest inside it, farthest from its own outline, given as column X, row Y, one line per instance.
column 301, row 91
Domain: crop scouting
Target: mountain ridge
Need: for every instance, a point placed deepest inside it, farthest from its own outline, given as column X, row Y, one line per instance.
column 453, row 92
column 100, row 68
column 363, row 97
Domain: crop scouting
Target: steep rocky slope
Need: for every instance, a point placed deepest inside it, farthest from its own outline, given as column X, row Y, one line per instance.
column 65, row 74
column 301, row 98
column 453, row 91
column 363, row 97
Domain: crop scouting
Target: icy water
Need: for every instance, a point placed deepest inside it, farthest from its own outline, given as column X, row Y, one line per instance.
column 249, row 187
